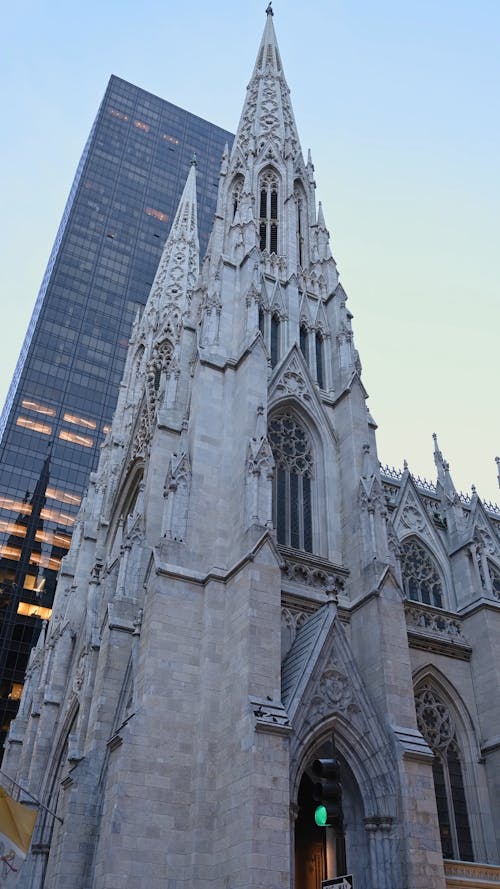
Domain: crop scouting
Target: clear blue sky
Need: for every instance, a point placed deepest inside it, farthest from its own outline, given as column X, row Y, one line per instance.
column 398, row 102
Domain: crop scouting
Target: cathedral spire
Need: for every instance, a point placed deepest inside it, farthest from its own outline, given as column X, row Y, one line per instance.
column 443, row 471
column 267, row 120
column 178, row 268
column 449, row 496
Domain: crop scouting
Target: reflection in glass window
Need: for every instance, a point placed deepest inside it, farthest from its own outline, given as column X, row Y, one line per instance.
column 15, row 505
column 34, row 425
column 31, row 405
column 30, row 610
column 60, row 518
column 75, row 438
column 80, row 421
column 63, row 496
column 163, row 217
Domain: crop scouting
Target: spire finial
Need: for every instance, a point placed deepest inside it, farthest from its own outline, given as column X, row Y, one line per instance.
column 269, row 10
column 193, row 160
column 497, row 461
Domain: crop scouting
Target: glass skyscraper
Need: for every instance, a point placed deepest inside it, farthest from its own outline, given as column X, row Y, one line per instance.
column 64, row 390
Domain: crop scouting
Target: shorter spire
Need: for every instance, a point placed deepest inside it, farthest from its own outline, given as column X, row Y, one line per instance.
column 321, row 218
column 448, row 494
column 443, row 470
column 497, row 461
column 168, row 287
column 438, row 457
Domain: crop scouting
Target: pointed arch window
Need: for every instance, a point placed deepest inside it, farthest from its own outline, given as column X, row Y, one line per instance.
column 275, row 339
column 495, row 579
column 262, row 327
column 436, row 724
column 236, row 193
column 301, row 223
column 160, row 361
column 268, row 211
column 300, row 234
column 292, row 507
column 320, row 371
column 421, row 579
column 303, row 340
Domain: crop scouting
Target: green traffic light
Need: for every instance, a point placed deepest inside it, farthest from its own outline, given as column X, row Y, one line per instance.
column 321, row 816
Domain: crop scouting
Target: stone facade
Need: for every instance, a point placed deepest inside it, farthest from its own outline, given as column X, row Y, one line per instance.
column 245, row 582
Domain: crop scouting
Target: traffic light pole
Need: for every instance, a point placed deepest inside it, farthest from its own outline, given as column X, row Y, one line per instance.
column 327, row 792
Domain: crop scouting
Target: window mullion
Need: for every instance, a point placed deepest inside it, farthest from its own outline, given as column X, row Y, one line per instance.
column 301, row 511
column 451, row 809
column 288, row 523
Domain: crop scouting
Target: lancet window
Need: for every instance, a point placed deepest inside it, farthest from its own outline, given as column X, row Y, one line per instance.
column 421, row 579
column 270, row 327
column 320, row 372
column 301, row 223
column 275, row 339
column 303, row 340
column 437, row 726
column 292, row 497
column 495, row 579
column 268, row 212
column 262, row 322
column 160, row 359
column 300, row 232
column 236, row 193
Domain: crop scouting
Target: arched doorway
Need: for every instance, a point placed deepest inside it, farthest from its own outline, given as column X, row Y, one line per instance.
column 310, row 841
column 319, row 851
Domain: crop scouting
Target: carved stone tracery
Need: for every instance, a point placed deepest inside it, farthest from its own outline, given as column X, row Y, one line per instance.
column 420, row 576
column 290, row 445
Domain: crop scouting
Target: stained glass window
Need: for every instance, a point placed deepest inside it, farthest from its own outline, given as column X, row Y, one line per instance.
column 268, row 206
column 436, row 724
column 495, row 579
column 303, row 340
column 292, row 484
column 275, row 339
column 420, row 576
column 319, row 361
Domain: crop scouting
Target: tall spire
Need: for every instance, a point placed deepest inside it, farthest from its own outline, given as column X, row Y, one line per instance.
column 443, row 470
column 178, row 268
column 267, row 116
column 448, row 494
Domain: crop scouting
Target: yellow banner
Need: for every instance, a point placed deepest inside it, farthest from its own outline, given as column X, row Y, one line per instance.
column 17, row 823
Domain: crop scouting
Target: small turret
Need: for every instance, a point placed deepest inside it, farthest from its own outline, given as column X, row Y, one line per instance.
column 450, row 499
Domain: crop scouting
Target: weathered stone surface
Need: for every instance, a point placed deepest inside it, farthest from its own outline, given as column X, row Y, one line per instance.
column 239, row 588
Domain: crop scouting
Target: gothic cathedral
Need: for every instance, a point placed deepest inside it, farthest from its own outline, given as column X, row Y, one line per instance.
column 249, row 603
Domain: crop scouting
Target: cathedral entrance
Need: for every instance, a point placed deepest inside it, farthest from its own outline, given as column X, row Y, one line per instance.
column 319, row 851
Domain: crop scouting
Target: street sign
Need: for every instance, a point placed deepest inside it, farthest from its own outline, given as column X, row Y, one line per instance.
column 345, row 882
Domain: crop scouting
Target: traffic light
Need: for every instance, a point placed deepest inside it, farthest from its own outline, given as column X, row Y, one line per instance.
column 327, row 793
